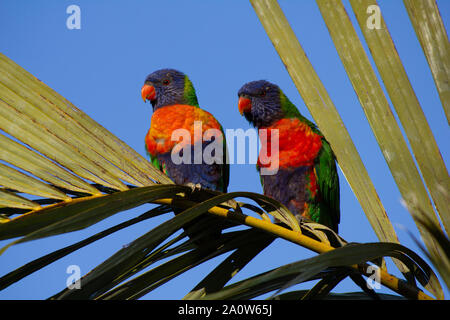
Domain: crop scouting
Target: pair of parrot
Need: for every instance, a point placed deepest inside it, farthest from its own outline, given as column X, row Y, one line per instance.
column 306, row 181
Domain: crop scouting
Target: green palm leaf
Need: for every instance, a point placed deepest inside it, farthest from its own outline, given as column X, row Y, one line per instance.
column 304, row 270
column 430, row 30
column 378, row 112
column 39, row 263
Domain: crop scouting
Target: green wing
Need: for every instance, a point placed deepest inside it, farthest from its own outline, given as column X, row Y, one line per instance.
column 328, row 181
column 155, row 162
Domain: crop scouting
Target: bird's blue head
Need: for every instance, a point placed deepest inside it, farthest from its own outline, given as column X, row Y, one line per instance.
column 260, row 103
column 167, row 87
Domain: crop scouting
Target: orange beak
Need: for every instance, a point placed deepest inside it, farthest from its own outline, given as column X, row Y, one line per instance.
column 244, row 105
column 148, row 92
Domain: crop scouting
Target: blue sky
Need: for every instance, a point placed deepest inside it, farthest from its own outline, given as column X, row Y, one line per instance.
column 220, row 45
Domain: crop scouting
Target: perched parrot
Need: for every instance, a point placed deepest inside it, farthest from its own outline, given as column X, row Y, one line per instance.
column 306, row 182
column 175, row 106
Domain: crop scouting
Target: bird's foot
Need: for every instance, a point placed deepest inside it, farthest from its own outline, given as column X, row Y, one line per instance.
column 194, row 186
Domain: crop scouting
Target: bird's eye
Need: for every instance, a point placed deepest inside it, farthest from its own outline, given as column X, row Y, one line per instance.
column 263, row 93
column 166, row 82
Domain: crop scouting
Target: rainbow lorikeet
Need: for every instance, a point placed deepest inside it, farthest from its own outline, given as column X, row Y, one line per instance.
column 306, row 181
column 175, row 107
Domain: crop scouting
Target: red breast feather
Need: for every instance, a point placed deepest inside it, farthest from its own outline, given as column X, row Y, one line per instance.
column 167, row 119
column 298, row 144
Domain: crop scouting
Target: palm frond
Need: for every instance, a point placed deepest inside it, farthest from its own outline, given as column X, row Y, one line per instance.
column 430, row 31
column 377, row 109
column 29, row 109
column 416, row 127
column 441, row 263
column 307, row 269
column 43, row 261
